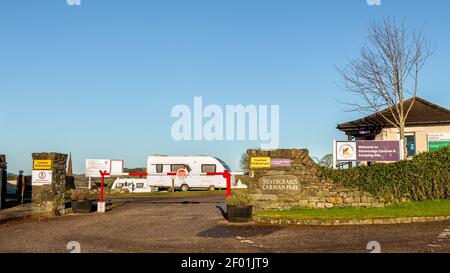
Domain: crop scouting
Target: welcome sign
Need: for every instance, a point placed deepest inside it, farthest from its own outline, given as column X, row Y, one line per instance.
column 368, row 150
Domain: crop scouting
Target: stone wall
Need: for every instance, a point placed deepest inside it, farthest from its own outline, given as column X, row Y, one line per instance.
column 3, row 179
column 2, row 162
column 301, row 185
column 51, row 197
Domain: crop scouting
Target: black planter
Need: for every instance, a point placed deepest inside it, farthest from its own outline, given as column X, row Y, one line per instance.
column 239, row 214
column 83, row 206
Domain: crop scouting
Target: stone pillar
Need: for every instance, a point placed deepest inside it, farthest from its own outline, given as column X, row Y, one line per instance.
column 51, row 197
column 20, row 187
column 27, row 191
column 3, row 181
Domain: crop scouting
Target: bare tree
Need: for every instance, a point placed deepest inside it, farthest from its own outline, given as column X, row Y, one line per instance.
column 387, row 72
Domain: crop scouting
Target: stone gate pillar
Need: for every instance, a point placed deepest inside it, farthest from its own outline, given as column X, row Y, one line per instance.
column 49, row 195
column 3, row 181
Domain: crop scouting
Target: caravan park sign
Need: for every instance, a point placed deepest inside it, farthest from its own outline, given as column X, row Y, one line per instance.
column 367, row 150
column 372, row 150
column 279, row 183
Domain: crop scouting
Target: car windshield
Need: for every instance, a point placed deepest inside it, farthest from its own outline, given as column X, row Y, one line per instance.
column 225, row 165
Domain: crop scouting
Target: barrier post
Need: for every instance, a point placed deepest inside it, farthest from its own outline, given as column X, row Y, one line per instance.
column 227, row 176
column 19, row 188
column 173, row 183
column 101, row 204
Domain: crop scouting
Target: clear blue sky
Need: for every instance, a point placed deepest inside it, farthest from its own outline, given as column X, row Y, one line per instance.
column 99, row 80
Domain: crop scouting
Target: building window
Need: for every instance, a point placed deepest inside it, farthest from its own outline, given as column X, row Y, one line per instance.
column 159, row 168
column 208, row 168
column 410, row 141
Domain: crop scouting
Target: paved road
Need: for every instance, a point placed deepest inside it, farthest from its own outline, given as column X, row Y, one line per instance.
column 194, row 223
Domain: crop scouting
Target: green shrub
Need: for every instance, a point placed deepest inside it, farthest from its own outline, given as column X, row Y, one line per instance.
column 80, row 195
column 425, row 177
column 239, row 198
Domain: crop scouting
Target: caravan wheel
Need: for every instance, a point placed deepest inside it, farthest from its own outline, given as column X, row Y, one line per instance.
column 184, row 187
column 212, row 188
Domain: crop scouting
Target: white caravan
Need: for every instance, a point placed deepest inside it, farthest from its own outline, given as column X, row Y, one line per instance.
column 195, row 168
column 131, row 184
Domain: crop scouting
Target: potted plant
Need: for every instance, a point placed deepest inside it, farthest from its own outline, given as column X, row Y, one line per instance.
column 80, row 201
column 239, row 207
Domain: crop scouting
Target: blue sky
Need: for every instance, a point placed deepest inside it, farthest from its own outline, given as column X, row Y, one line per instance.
column 99, row 80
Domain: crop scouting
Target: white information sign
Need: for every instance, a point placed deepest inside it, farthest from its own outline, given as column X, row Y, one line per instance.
column 438, row 137
column 116, row 167
column 94, row 166
column 40, row 178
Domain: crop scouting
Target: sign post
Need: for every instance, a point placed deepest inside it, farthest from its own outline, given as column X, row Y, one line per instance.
column 334, row 155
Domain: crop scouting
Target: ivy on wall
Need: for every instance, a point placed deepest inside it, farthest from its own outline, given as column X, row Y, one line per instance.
column 425, row 177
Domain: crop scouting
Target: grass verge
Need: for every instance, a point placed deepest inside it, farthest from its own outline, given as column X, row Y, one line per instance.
column 430, row 208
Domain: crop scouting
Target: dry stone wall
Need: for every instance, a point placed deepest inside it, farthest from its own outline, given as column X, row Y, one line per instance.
column 301, row 185
column 3, row 178
column 51, row 197
column 3, row 162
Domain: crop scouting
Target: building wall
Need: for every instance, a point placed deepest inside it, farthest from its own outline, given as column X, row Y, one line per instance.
column 420, row 133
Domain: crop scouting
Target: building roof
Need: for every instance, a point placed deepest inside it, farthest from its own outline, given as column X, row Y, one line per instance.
column 422, row 113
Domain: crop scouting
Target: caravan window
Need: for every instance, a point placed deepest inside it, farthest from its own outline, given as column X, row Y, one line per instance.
column 208, row 168
column 159, row 168
column 139, row 185
column 176, row 167
column 225, row 165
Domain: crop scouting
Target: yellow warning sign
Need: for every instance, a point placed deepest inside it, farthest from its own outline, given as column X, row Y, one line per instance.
column 260, row 163
column 41, row 164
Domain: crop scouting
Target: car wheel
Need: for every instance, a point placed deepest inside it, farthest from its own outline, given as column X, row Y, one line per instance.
column 184, row 187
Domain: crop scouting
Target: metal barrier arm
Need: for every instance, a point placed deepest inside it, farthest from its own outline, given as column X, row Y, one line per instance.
column 227, row 175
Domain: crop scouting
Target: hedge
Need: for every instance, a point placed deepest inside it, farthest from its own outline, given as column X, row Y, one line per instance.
column 425, row 177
